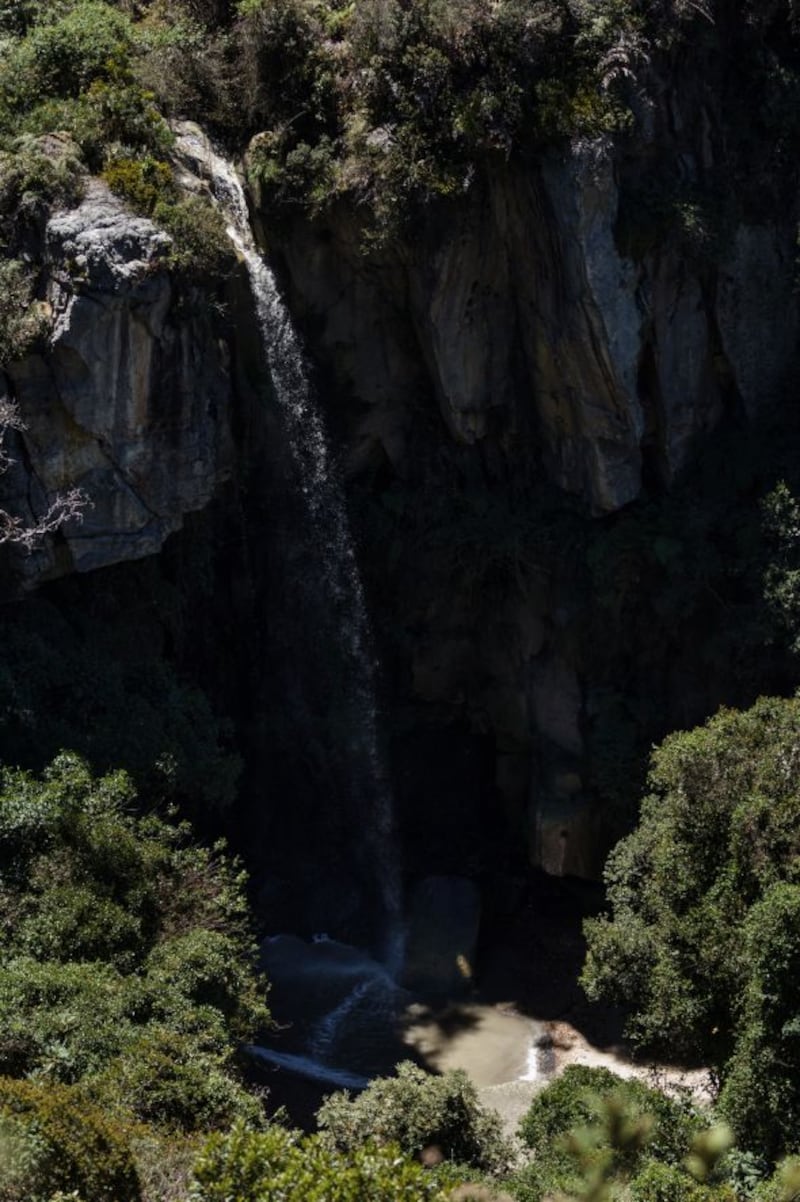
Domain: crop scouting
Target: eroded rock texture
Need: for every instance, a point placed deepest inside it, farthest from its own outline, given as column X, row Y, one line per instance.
column 132, row 399
column 548, row 327
column 520, row 312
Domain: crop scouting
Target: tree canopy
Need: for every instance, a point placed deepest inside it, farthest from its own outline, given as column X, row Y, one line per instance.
column 703, row 939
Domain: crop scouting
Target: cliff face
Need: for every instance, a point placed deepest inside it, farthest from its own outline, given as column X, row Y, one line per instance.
column 556, row 344
column 131, row 400
column 519, row 312
column 501, row 381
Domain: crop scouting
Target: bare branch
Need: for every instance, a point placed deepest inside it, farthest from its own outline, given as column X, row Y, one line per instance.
column 66, row 507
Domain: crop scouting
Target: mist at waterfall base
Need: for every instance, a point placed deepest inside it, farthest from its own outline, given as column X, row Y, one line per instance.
column 344, row 1019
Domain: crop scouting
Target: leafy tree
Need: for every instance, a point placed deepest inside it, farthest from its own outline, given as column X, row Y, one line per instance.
column 418, row 1111
column 125, row 958
column 701, row 942
column 51, row 1138
column 590, row 1128
column 277, row 1165
column 781, row 516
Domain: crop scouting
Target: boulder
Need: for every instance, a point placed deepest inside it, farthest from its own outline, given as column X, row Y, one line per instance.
column 443, row 922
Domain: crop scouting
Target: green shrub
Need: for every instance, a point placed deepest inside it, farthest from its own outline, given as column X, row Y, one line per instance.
column 109, row 115
column 62, row 1021
column 418, row 1111
column 126, row 956
column 201, row 247
column 66, row 1143
column 281, row 1166
column 62, row 57
column 658, row 1182
column 143, row 182
column 174, row 1081
column 21, row 321
column 709, row 866
column 590, row 1124
column 16, row 15
column 761, row 1092
column 573, row 1100
column 188, row 67
column 39, row 172
column 784, row 1185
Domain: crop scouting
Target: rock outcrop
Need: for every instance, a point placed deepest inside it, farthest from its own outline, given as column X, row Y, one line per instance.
column 132, row 399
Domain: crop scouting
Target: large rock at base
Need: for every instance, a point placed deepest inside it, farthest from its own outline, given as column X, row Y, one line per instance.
column 444, row 918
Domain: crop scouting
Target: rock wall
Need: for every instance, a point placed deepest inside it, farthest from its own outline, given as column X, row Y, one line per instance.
column 519, row 312
column 508, row 339
column 519, row 344
column 132, row 399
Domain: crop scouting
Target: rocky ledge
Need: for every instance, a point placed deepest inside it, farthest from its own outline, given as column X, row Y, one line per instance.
column 131, row 399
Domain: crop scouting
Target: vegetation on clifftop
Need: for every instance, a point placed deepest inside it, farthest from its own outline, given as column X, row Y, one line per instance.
column 389, row 103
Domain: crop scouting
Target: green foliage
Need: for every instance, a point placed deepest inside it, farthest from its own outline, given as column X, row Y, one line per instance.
column 277, row 1165
column 56, row 1140
column 400, row 104
column 108, row 115
column 126, row 960
column 589, row 1127
column 38, row 172
column 784, row 1185
column 64, row 56
column 761, row 1094
column 21, row 321
column 714, row 860
column 201, row 246
column 187, row 62
column 660, row 1182
column 71, row 70
column 418, row 1111
column 600, row 1138
column 144, row 182
column 781, row 512
column 572, row 1099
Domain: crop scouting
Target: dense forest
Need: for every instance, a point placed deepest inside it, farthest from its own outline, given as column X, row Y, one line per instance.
column 542, row 255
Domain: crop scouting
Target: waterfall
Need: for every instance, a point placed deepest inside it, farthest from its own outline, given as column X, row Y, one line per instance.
column 332, row 569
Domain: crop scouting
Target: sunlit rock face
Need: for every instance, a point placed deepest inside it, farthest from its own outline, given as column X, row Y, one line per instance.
column 132, row 399
column 521, row 315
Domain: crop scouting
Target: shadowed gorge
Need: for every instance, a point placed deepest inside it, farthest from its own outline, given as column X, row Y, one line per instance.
column 399, row 505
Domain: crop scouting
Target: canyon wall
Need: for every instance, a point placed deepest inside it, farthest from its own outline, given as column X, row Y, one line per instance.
column 522, row 345
column 501, row 380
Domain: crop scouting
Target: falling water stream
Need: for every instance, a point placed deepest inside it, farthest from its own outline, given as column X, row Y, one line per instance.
column 336, row 579
column 346, row 1006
